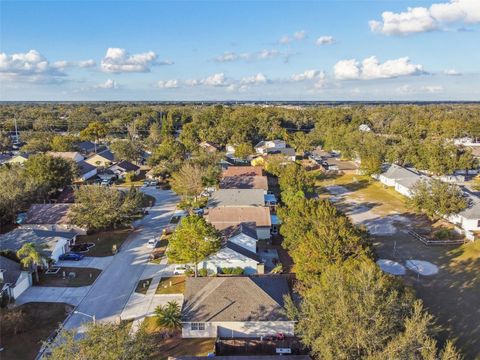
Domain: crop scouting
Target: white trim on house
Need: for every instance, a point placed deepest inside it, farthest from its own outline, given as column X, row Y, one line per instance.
column 237, row 329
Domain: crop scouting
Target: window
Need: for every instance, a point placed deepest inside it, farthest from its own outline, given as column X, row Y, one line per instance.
column 197, row 326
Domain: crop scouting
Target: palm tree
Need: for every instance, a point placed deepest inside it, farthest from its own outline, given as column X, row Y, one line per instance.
column 169, row 315
column 30, row 257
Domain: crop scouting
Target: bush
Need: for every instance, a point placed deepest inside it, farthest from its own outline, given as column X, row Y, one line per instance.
column 232, row 270
column 189, row 272
column 203, row 272
column 443, row 234
column 130, row 177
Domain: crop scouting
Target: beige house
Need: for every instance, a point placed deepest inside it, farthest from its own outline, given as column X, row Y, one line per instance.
column 102, row 159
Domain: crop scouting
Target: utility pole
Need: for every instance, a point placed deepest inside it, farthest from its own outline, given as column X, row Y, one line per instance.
column 16, row 132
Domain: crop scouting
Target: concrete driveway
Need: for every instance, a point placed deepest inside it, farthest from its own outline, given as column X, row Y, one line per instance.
column 109, row 294
column 68, row 295
column 87, row 262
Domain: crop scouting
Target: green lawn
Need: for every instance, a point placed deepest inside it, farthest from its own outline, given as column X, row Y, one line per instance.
column 83, row 277
column 171, row 285
column 104, row 241
column 175, row 346
column 143, row 286
column 39, row 321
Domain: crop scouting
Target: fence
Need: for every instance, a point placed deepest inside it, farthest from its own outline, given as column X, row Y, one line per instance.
column 429, row 242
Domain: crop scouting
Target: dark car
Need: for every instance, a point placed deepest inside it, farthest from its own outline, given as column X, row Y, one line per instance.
column 71, row 256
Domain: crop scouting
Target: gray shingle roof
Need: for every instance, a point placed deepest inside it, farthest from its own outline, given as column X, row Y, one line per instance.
column 45, row 240
column 237, row 197
column 473, row 210
column 12, row 270
column 244, row 182
column 235, row 299
column 242, row 251
column 84, row 167
column 127, row 166
column 397, row 172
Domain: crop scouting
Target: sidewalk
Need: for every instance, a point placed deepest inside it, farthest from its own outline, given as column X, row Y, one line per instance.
column 68, row 295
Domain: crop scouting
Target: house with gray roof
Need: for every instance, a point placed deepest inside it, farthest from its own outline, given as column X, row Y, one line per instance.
column 469, row 219
column 13, row 279
column 239, row 249
column 52, row 217
column 51, row 244
column 402, row 179
column 237, row 197
column 235, row 307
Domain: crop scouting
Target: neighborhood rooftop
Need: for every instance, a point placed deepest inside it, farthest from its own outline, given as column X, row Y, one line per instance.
column 223, row 217
column 244, row 182
column 211, row 299
column 237, row 197
column 47, row 214
column 243, row 171
column 45, row 240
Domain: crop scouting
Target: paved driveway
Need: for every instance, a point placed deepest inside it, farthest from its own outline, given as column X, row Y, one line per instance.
column 68, row 295
column 109, row 294
column 87, row 262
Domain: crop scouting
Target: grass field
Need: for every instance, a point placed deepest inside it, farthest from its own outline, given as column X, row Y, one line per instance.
column 104, row 241
column 175, row 346
column 171, row 285
column 41, row 319
column 83, row 277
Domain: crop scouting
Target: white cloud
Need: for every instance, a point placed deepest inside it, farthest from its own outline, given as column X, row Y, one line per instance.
column 168, row 84
column 268, row 54
column 108, row 84
column 409, row 90
column 86, row 63
column 255, row 80
column 371, row 68
column 300, row 35
column 192, row 82
column 433, row 89
column 264, row 54
column 325, row 40
column 318, row 77
column 297, row 36
column 118, row 60
column 452, row 72
column 215, row 80
column 31, row 67
column 421, row 19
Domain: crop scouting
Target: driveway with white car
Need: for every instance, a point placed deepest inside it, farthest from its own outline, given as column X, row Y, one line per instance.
column 110, row 292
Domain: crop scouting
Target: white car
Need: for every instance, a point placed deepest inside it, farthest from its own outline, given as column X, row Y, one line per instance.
column 152, row 243
column 180, row 269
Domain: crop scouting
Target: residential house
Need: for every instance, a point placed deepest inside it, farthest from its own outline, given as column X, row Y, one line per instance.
column 266, row 146
column 86, row 170
column 67, row 155
column 102, row 159
column 231, row 216
column 288, row 153
column 209, row 147
column 52, row 244
column 235, row 307
column 4, row 158
column 244, row 182
column 86, row 147
column 243, row 171
column 402, row 179
column 469, row 219
column 19, row 159
column 13, row 279
column 237, row 197
column 123, row 167
column 52, row 217
column 239, row 249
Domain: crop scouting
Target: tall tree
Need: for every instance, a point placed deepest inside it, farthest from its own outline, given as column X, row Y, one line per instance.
column 94, row 132
column 436, row 198
column 53, row 172
column 30, row 257
column 102, row 341
column 193, row 240
column 188, row 181
column 126, row 150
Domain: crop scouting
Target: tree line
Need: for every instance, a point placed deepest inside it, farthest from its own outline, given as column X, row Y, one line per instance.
column 349, row 308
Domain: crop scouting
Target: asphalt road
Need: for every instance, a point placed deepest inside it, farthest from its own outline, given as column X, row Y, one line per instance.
column 111, row 291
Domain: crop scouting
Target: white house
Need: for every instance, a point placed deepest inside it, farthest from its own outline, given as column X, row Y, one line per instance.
column 264, row 147
column 123, row 167
column 394, row 173
column 86, row 170
column 238, row 250
column 469, row 219
column 235, row 307
column 52, row 244
column 13, row 279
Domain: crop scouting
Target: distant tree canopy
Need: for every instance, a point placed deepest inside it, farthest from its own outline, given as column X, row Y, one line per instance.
column 52, row 172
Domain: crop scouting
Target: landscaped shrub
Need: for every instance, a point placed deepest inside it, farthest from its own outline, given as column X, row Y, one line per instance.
column 443, row 234
column 232, row 270
column 203, row 272
column 189, row 272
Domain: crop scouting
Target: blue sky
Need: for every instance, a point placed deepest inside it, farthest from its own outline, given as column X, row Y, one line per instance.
column 244, row 50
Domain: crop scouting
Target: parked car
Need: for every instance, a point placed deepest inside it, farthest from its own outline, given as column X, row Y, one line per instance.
column 152, row 243
column 71, row 256
column 106, row 182
column 180, row 269
column 198, row 211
